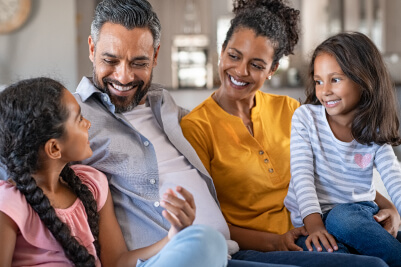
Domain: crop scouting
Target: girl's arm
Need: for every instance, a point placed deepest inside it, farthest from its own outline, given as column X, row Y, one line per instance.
column 8, row 238
column 388, row 215
column 114, row 251
column 262, row 241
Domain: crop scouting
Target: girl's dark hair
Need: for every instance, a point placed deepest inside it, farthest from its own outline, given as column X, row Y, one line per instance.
column 377, row 118
column 273, row 19
column 31, row 113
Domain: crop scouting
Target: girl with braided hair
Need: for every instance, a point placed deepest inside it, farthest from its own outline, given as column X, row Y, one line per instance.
column 54, row 214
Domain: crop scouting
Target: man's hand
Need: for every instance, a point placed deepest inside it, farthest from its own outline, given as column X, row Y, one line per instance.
column 180, row 213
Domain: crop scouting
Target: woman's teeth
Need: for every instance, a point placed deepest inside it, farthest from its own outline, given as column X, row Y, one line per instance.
column 237, row 82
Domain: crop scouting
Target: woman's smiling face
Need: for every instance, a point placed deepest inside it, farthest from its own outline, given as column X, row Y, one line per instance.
column 245, row 64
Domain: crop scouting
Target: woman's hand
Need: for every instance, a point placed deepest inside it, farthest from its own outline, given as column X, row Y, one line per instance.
column 179, row 212
column 287, row 240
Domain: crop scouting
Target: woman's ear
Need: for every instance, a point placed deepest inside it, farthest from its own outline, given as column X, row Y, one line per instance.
column 52, row 149
column 272, row 71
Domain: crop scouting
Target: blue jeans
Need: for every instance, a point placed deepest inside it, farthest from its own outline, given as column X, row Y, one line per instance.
column 195, row 246
column 356, row 231
column 310, row 259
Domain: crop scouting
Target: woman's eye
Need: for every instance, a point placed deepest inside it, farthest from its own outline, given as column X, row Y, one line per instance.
column 258, row 67
column 232, row 56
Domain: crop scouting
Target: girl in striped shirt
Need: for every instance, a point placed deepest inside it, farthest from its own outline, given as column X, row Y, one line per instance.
column 347, row 127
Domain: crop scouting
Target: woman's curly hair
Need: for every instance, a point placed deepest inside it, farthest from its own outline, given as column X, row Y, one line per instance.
column 31, row 113
column 273, row 19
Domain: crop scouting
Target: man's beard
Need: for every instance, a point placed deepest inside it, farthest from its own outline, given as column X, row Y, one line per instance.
column 123, row 103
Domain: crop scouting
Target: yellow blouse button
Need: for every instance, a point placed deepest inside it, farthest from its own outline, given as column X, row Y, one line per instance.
column 271, row 170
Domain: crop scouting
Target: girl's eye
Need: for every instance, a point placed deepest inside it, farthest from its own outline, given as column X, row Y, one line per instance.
column 336, row 80
column 318, row 82
column 81, row 118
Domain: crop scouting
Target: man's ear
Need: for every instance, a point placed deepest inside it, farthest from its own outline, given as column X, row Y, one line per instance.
column 91, row 44
column 52, row 149
column 155, row 57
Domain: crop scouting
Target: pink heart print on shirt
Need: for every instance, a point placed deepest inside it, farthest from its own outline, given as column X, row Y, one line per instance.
column 362, row 161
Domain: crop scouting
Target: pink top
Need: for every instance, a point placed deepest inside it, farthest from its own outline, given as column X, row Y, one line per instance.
column 35, row 243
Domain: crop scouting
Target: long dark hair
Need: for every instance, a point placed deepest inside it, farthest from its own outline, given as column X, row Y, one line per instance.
column 31, row 113
column 377, row 118
column 273, row 19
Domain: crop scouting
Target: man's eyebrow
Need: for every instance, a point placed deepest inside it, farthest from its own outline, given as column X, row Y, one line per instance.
column 109, row 55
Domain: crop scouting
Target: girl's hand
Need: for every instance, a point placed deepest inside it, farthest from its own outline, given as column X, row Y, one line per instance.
column 180, row 213
column 321, row 236
column 389, row 219
column 288, row 239
column 388, row 215
column 318, row 234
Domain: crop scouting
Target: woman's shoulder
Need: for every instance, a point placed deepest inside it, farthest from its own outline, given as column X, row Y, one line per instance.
column 201, row 112
column 275, row 100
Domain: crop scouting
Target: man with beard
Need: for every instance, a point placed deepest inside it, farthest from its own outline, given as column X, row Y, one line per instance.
column 136, row 137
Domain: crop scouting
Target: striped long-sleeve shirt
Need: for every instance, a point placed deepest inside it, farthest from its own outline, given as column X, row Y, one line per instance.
column 326, row 171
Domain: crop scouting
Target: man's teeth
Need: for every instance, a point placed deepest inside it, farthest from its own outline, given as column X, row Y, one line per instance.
column 332, row 102
column 237, row 82
column 122, row 88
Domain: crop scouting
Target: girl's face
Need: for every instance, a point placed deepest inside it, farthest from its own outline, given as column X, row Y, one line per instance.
column 337, row 93
column 75, row 143
column 245, row 64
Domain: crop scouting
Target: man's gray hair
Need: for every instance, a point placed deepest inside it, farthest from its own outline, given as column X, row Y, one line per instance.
column 128, row 13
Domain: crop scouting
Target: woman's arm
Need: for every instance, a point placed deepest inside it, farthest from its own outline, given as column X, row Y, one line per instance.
column 263, row 241
column 388, row 215
column 180, row 213
column 8, row 238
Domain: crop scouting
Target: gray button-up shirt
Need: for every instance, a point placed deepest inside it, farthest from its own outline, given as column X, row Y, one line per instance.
column 129, row 161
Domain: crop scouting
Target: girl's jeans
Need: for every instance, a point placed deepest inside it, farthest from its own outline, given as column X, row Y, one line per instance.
column 356, row 231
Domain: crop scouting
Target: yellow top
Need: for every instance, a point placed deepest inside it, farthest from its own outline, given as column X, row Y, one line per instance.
column 251, row 173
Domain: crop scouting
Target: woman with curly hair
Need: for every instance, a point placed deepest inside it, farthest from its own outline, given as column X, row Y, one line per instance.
column 53, row 214
column 242, row 136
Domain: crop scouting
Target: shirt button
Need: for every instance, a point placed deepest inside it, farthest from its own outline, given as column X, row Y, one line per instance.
column 105, row 98
column 152, row 181
column 261, row 152
column 271, row 170
column 156, row 204
column 266, row 161
column 146, row 143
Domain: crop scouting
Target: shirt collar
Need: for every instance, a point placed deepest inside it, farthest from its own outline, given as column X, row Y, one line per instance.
column 86, row 89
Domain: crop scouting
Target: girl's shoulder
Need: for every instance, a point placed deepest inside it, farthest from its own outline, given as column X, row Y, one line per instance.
column 13, row 203
column 95, row 180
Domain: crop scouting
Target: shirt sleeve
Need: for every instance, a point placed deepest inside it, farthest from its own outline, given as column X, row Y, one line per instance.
column 302, row 166
column 198, row 139
column 390, row 172
column 95, row 180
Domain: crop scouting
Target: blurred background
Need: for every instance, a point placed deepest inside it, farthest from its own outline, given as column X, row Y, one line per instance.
column 52, row 41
